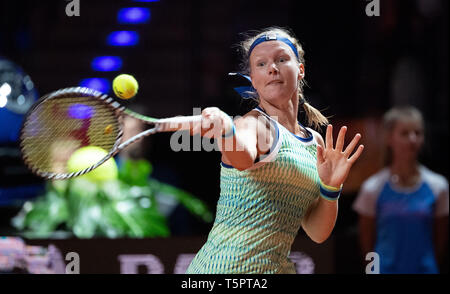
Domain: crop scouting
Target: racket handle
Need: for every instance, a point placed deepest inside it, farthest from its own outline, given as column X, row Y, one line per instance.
column 179, row 123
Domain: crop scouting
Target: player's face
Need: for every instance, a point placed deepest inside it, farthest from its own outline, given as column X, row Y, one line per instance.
column 275, row 71
column 407, row 138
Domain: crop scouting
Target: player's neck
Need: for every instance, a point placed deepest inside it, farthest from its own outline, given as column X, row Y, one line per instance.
column 405, row 172
column 285, row 114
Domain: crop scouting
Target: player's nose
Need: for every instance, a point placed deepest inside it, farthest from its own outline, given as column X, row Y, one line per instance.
column 273, row 68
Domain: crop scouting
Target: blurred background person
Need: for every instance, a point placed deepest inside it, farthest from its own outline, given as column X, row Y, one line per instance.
column 403, row 208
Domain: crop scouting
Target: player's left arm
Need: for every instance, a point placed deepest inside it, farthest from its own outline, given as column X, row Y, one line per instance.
column 440, row 237
column 333, row 166
column 441, row 225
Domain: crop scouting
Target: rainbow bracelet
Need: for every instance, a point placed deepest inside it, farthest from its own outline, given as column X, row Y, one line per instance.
column 330, row 193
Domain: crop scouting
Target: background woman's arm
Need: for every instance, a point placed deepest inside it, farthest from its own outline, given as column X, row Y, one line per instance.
column 440, row 237
column 366, row 228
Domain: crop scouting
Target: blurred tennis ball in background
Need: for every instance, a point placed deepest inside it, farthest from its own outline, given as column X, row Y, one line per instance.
column 125, row 86
column 89, row 155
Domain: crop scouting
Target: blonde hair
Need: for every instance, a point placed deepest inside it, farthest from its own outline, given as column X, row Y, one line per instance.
column 314, row 117
column 390, row 119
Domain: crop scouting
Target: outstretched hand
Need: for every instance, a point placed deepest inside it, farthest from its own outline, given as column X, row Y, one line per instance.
column 334, row 163
column 214, row 123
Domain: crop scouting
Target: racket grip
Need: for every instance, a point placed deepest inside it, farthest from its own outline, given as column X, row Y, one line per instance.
column 179, row 123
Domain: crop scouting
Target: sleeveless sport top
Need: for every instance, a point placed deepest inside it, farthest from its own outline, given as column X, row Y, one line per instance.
column 260, row 209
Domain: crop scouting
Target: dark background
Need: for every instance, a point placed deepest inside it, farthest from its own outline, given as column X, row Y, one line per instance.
column 356, row 68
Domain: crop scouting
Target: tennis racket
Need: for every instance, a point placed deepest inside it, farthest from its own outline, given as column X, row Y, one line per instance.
column 63, row 121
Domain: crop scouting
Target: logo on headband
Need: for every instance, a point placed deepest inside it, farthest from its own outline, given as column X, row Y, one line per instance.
column 271, row 36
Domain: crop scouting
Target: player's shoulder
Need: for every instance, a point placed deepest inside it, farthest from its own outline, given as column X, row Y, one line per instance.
column 433, row 178
column 317, row 136
column 376, row 181
column 251, row 115
column 251, row 118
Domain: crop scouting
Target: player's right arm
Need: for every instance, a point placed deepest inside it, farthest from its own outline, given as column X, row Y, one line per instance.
column 240, row 149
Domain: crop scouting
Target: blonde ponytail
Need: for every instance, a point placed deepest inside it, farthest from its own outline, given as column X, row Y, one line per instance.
column 315, row 118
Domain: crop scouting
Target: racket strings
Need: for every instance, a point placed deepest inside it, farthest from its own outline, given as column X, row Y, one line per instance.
column 58, row 127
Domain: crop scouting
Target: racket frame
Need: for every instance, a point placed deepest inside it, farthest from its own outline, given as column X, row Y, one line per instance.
column 118, row 111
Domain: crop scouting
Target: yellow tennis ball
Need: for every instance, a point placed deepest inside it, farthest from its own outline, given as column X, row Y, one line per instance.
column 125, row 86
column 89, row 155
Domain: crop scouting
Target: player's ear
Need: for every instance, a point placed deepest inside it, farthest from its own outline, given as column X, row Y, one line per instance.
column 301, row 72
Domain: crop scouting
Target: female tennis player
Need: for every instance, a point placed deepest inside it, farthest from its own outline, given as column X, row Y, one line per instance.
column 278, row 175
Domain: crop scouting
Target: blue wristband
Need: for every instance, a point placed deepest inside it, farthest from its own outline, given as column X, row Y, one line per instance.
column 230, row 132
column 330, row 193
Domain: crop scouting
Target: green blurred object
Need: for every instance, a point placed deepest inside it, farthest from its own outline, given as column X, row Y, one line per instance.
column 83, row 158
column 126, row 207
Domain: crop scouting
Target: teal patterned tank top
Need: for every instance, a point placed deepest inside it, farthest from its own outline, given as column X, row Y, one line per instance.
column 260, row 210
